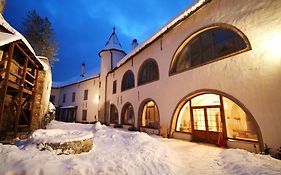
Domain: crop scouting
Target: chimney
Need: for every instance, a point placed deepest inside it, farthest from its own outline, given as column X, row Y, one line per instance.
column 134, row 44
column 83, row 70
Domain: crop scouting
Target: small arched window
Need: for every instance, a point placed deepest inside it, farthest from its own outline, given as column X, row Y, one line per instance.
column 148, row 72
column 212, row 44
column 113, row 114
column 128, row 81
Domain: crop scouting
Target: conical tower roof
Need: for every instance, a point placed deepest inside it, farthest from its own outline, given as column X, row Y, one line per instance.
column 112, row 43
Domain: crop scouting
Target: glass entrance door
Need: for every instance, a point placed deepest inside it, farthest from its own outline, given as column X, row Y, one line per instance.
column 206, row 124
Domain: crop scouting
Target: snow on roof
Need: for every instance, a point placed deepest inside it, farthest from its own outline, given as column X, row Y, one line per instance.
column 163, row 30
column 77, row 79
column 112, row 43
column 6, row 38
column 45, row 65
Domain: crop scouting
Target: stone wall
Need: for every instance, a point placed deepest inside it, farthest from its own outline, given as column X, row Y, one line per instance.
column 42, row 96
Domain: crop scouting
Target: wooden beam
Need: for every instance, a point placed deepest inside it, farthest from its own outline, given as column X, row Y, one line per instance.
column 32, row 76
column 3, row 61
column 17, row 64
column 2, row 71
column 28, row 56
column 33, row 96
column 20, row 96
column 4, row 86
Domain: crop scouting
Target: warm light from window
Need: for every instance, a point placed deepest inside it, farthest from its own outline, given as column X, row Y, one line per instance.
column 96, row 100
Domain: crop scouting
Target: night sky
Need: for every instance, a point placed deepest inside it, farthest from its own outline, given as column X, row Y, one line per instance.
column 82, row 27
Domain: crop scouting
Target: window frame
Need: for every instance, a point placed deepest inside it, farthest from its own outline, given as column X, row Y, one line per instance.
column 84, row 115
column 86, row 94
column 114, row 87
column 196, row 34
column 64, row 98
column 73, row 96
column 141, row 69
column 125, row 78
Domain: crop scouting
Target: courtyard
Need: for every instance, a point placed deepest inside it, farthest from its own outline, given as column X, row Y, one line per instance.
column 118, row 151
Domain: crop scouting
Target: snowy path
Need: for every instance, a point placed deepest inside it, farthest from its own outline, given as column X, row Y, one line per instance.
column 205, row 159
column 121, row 152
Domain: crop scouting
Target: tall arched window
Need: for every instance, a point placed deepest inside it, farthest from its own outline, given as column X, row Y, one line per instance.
column 113, row 114
column 128, row 114
column 212, row 44
column 148, row 72
column 150, row 116
column 128, row 81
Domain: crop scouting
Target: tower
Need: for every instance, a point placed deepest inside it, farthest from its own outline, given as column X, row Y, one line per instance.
column 110, row 55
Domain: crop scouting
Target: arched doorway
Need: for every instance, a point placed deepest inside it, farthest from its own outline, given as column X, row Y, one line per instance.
column 128, row 114
column 113, row 114
column 209, row 117
column 150, row 115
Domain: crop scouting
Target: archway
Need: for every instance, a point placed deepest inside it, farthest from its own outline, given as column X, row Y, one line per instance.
column 127, row 114
column 212, row 115
column 113, row 114
column 149, row 115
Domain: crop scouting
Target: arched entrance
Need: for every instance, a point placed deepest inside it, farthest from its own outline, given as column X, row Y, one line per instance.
column 128, row 114
column 210, row 117
column 113, row 114
column 149, row 116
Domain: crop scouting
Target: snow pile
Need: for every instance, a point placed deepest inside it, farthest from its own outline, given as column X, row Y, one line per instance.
column 58, row 136
column 52, row 108
column 116, row 152
column 237, row 161
column 121, row 152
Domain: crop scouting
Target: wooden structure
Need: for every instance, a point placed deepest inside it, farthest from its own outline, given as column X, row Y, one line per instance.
column 19, row 69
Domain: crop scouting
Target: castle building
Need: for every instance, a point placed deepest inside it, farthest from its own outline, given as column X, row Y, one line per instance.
column 212, row 74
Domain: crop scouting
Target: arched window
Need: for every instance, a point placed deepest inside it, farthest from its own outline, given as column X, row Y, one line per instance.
column 148, row 72
column 128, row 114
column 150, row 115
column 211, row 44
column 128, row 81
column 113, row 114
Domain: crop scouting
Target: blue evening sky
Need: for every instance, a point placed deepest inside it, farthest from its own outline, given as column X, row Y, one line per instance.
column 82, row 27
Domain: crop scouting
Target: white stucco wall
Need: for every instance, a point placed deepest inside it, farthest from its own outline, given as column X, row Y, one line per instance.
column 252, row 77
column 91, row 105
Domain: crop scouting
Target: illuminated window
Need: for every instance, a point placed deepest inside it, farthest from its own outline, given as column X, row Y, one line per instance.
column 113, row 114
column 128, row 81
column 238, row 124
column 128, row 114
column 150, row 115
column 207, row 46
column 148, row 72
column 183, row 123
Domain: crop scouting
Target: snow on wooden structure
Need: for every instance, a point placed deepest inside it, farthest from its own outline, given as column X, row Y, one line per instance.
column 19, row 75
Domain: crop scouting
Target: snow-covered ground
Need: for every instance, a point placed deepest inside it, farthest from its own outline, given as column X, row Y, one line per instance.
column 117, row 151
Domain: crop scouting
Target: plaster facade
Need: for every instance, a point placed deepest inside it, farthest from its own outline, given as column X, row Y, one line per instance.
column 251, row 79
